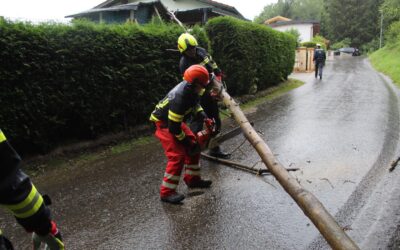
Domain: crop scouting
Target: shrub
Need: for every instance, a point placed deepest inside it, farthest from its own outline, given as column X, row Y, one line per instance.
column 72, row 82
column 63, row 83
column 342, row 44
column 370, row 46
column 294, row 32
column 392, row 35
column 309, row 44
column 250, row 54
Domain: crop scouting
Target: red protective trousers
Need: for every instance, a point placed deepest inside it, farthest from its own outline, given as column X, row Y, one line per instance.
column 177, row 157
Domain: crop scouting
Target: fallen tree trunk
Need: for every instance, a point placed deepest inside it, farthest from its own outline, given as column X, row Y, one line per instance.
column 311, row 206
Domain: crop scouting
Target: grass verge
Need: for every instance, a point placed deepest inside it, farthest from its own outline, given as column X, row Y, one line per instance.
column 387, row 61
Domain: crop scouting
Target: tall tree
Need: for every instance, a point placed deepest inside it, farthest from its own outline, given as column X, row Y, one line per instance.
column 391, row 10
column 307, row 9
column 354, row 19
column 293, row 9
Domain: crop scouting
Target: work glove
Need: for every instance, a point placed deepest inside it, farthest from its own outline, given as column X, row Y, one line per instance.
column 210, row 125
column 216, row 86
column 218, row 77
column 204, row 136
column 51, row 241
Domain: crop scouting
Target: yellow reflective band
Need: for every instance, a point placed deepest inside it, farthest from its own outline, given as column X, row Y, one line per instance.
column 2, row 136
column 154, row 118
column 59, row 243
column 199, row 108
column 188, row 111
column 29, row 206
column 205, row 61
column 192, row 172
column 202, row 92
column 162, row 104
column 193, row 167
column 1, row 232
column 172, row 177
column 174, row 117
column 169, row 185
column 181, row 136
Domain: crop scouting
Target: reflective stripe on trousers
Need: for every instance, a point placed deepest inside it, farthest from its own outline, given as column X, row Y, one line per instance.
column 177, row 157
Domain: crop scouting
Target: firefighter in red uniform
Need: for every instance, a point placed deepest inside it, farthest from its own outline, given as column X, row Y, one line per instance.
column 21, row 198
column 192, row 54
column 181, row 145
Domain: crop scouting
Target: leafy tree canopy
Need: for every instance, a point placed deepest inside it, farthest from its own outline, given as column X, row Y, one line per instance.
column 293, row 9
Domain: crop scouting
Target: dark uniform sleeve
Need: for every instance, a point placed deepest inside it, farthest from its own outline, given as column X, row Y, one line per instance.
column 9, row 159
column 18, row 194
column 183, row 64
column 207, row 61
column 176, row 114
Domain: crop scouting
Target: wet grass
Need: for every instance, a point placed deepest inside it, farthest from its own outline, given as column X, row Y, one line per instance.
column 273, row 93
column 266, row 95
column 79, row 159
column 127, row 146
column 37, row 167
column 387, row 61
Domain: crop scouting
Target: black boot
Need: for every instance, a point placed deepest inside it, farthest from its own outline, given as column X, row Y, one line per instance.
column 175, row 198
column 200, row 184
column 217, row 152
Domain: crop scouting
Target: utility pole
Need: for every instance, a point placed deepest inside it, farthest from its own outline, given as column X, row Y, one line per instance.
column 380, row 37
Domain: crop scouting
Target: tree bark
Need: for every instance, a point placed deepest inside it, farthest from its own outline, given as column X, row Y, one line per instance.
column 311, row 206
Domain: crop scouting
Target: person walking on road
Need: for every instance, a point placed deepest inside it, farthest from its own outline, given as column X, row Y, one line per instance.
column 319, row 60
column 193, row 54
column 22, row 199
column 180, row 144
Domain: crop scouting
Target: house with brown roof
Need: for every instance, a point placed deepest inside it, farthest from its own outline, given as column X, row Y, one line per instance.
column 307, row 29
column 189, row 12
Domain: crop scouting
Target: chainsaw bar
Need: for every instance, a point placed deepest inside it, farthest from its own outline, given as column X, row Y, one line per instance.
column 218, row 140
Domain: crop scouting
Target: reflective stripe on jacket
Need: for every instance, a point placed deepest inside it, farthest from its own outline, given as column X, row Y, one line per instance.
column 180, row 103
column 202, row 58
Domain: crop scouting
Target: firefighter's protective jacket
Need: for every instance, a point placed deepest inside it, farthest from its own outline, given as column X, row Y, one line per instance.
column 202, row 58
column 179, row 104
column 9, row 159
column 18, row 194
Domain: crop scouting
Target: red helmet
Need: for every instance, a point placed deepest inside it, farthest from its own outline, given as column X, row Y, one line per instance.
column 197, row 74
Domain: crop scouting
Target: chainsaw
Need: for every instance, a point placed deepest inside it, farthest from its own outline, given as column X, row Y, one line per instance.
column 218, row 140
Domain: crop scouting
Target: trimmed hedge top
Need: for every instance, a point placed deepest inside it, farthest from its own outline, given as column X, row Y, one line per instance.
column 71, row 82
column 251, row 55
column 64, row 83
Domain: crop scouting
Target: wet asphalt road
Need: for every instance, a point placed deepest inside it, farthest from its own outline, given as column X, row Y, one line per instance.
column 342, row 132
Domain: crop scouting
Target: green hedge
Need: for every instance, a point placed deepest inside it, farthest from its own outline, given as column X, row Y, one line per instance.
column 65, row 83
column 250, row 54
column 309, row 44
